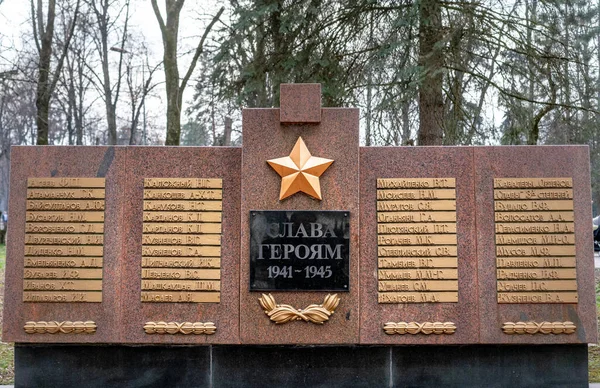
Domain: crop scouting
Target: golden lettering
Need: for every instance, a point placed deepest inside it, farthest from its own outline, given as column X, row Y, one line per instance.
column 64, row 240
column 417, row 274
column 181, row 183
column 181, row 285
column 60, row 296
column 416, row 238
column 418, row 285
column 528, row 183
column 181, row 244
column 415, row 183
column 421, row 262
column 537, row 297
column 448, row 239
column 417, row 297
column 181, row 297
column 421, row 228
column 66, row 182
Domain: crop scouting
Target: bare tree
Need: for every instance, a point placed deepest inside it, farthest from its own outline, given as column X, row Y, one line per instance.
column 138, row 91
column 175, row 88
column 73, row 88
column 43, row 36
column 106, row 26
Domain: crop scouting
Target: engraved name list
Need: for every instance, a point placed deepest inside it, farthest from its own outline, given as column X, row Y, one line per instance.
column 64, row 240
column 181, row 241
column 416, row 240
column 535, row 240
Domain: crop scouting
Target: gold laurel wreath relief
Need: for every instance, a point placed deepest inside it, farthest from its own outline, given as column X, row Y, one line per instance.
column 283, row 313
column 539, row 328
column 65, row 327
column 185, row 328
column 419, row 328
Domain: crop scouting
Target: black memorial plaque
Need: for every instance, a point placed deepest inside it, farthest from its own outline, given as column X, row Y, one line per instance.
column 299, row 250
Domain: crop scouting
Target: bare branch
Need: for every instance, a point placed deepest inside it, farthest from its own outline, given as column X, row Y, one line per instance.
column 199, row 50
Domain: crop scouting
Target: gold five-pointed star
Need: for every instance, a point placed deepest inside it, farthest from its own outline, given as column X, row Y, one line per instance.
column 300, row 171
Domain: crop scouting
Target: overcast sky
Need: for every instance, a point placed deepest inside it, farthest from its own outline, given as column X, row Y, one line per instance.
column 15, row 20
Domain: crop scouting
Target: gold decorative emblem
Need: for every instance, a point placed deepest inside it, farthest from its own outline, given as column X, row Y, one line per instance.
column 315, row 313
column 65, row 327
column 207, row 328
column 539, row 328
column 419, row 328
column 300, row 171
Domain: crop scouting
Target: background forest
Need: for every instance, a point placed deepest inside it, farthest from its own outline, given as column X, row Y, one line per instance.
column 423, row 72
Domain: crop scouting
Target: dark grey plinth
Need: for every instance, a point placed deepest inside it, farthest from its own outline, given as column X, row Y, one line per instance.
column 288, row 366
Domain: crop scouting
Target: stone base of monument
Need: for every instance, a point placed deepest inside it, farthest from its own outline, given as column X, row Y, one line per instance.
column 289, row 366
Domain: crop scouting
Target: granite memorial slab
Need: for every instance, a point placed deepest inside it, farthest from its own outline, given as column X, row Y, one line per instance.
column 534, row 245
column 309, row 166
column 417, row 246
column 181, row 263
column 62, row 266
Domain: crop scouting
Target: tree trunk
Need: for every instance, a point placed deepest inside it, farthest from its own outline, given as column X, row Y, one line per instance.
column 170, row 31
column 42, row 101
column 431, row 102
column 174, row 88
column 46, row 83
column 79, row 111
column 227, row 132
column 111, row 118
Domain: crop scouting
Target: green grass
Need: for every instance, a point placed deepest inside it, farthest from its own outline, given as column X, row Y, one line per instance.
column 7, row 352
column 594, row 351
column 2, row 260
column 7, row 364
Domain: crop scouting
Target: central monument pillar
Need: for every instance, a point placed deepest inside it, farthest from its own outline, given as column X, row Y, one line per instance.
column 331, row 133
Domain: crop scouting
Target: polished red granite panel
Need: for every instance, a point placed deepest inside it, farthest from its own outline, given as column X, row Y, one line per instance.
column 418, row 162
column 30, row 162
column 181, row 162
column 336, row 137
column 300, row 103
column 534, row 162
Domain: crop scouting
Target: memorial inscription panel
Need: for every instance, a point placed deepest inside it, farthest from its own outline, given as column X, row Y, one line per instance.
column 181, row 241
column 416, row 240
column 64, row 240
column 299, row 250
column 535, row 240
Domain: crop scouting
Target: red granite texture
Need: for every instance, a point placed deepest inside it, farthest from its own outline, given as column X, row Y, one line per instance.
column 181, row 162
column 336, row 137
column 534, row 162
column 418, row 162
column 300, row 103
column 29, row 162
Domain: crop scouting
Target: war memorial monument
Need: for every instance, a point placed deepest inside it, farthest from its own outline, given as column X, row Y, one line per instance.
column 300, row 259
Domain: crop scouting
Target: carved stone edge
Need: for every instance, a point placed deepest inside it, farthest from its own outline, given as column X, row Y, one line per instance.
column 426, row 328
column 284, row 313
column 185, row 328
column 64, row 327
column 545, row 327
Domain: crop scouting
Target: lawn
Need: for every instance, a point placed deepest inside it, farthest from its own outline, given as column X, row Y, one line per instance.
column 594, row 350
column 7, row 354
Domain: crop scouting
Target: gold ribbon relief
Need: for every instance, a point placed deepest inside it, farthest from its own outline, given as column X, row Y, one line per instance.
column 419, row 328
column 531, row 327
column 185, row 328
column 284, row 313
column 64, row 327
